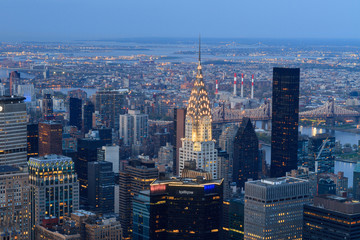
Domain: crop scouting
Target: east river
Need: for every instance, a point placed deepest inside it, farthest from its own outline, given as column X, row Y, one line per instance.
column 343, row 137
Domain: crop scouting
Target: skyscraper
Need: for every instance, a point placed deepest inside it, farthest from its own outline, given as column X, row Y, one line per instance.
column 331, row 217
column 47, row 106
column 274, row 208
column 198, row 145
column 13, row 118
column 136, row 177
column 75, row 109
column 88, row 111
column 101, row 187
column 110, row 104
column 179, row 209
column 110, row 154
column 32, row 140
column 50, row 138
column 14, row 78
column 14, row 203
column 87, row 151
column 246, row 154
column 133, row 127
column 54, row 188
column 179, row 122
column 285, row 120
column 356, row 181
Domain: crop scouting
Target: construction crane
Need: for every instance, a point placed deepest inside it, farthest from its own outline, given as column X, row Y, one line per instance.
column 319, row 154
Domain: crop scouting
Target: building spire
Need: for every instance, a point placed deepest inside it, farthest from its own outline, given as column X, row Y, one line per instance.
column 199, row 49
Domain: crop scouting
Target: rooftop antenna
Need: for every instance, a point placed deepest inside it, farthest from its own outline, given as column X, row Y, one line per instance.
column 199, row 49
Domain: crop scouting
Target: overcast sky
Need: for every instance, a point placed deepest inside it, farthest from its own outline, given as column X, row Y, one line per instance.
column 53, row 20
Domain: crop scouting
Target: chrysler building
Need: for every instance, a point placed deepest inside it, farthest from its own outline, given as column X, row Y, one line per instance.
column 198, row 146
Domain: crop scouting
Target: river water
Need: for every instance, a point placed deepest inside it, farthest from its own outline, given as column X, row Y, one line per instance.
column 342, row 137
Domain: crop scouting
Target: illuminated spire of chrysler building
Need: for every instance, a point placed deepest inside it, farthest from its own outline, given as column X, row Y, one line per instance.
column 198, row 145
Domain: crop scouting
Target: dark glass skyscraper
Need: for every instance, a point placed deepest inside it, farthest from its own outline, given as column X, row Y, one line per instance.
column 101, row 186
column 285, row 120
column 32, row 140
column 75, row 110
column 246, row 154
column 179, row 209
column 86, row 152
column 88, row 111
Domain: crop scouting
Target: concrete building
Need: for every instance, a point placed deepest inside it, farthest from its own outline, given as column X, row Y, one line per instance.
column 81, row 225
column 136, row 177
column 13, row 125
column 66, row 231
column 305, row 174
column 104, row 229
column 179, row 124
column 14, row 203
column 133, row 127
column 274, row 208
column 331, row 217
column 54, row 188
column 27, row 91
column 166, row 155
column 110, row 154
column 50, row 138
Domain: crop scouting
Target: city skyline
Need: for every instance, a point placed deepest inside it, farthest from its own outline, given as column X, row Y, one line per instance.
column 110, row 129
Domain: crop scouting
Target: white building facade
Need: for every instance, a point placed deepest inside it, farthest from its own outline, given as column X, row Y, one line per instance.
column 198, row 145
column 133, row 127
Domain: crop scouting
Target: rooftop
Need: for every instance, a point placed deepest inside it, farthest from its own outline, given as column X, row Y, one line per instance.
column 11, row 99
column 337, row 204
column 277, row 181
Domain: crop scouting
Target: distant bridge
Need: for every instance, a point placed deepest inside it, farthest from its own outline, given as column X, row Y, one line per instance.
column 329, row 110
column 263, row 113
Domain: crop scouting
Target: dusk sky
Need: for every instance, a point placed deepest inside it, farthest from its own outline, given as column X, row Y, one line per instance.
column 112, row 19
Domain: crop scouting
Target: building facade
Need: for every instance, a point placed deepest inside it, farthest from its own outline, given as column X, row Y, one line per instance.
column 101, row 187
column 110, row 104
column 133, row 127
column 13, row 140
column 75, row 112
column 136, row 177
column 50, row 138
column 285, row 121
column 14, row 203
column 179, row 123
column 54, row 187
column 179, row 209
column 246, row 154
column 87, row 151
column 331, row 217
column 198, row 145
column 274, row 208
